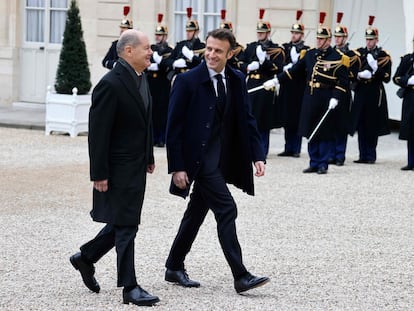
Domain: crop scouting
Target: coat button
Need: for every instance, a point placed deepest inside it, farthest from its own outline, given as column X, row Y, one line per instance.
column 208, row 125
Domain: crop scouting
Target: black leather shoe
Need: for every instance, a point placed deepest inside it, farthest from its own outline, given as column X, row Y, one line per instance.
column 407, row 168
column 322, row 171
column 249, row 281
column 296, row 155
column 364, row 161
column 139, row 297
column 87, row 270
column 339, row 163
column 285, row 154
column 331, row 161
column 310, row 170
column 180, row 277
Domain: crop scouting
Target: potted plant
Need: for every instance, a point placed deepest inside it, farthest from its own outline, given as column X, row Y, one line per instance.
column 67, row 109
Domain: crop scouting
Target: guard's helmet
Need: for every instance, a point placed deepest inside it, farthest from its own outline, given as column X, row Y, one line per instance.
column 323, row 32
column 340, row 30
column 371, row 32
column 191, row 24
column 225, row 24
column 298, row 26
column 161, row 29
column 263, row 26
column 125, row 22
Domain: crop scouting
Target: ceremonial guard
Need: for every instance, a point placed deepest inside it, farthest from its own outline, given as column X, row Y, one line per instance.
column 327, row 83
column 261, row 61
column 239, row 49
column 343, row 111
column 188, row 53
column 404, row 77
column 369, row 111
column 158, row 82
column 291, row 92
column 111, row 56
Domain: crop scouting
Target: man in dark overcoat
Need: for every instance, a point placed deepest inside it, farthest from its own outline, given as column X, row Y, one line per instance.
column 404, row 78
column 212, row 140
column 121, row 154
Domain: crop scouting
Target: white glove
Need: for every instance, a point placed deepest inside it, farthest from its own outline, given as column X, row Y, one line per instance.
column 180, row 63
column 287, row 67
column 372, row 62
column 153, row 67
column 187, row 53
column 294, row 56
column 270, row 84
column 261, row 55
column 157, row 57
column 253, row 66
column 366, row 74
column 410, row 80
column 333, row 102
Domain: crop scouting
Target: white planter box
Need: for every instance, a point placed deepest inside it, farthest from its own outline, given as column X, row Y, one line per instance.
column 67, row 113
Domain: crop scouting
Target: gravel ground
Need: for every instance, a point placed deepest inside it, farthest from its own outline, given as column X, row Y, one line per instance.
column 342, row 241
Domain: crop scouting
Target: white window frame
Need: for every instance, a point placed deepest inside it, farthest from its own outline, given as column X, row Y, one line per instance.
column 198, row 13
column 47, row 9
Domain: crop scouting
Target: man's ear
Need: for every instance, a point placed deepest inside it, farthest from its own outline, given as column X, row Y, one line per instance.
column 230, row 54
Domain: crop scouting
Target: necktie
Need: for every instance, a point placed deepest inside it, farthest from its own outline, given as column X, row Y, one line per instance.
column 221, row 93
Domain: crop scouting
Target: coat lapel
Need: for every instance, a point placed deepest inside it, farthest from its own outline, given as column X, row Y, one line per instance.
column 131, row 85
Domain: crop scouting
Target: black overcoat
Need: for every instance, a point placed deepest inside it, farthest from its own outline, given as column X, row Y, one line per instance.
column 370, row 110
column 404, row 71
column 190, row 117
column 120, row 146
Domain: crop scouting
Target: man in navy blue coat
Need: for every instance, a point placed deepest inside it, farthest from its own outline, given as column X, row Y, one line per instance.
column 212, row 140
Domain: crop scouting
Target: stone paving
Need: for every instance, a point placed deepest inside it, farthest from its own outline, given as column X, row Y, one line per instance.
column 341, row 241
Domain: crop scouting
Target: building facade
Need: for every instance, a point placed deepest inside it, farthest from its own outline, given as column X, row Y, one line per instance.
column 31, row 30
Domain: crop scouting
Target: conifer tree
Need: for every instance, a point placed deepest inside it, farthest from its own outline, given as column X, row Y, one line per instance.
column 73, row 69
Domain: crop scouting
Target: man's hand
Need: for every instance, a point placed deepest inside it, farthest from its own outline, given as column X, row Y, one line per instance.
column 150, row 168
column 287, row 67
column 153, row 67
column 333, row 102
column 261, row 55
column 180, row 63
column 372, row 62
column 254, row 65
column 157, row 57
column 180, row 179
column 101, row 185
column 366, row 74
column 270, row 84
column 260, row 168
column 187, row 53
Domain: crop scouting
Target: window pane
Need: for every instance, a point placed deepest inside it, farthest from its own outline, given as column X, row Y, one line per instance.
column 214, row 6
column 211, row 22
column 179, row 26
column 57, row 26
column 182, row 5
column 61, row 4
column 35, row 3
column 35, row 26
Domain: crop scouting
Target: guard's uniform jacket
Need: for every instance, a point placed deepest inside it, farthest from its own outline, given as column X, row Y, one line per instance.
column 111, row 56
column 343, row 111
column 327, row 77
column 404, row 71
column 369, row 111
column 291, row 92
column 196, row 46
column 160, row 89
column 235, row 62
column 262, row 101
